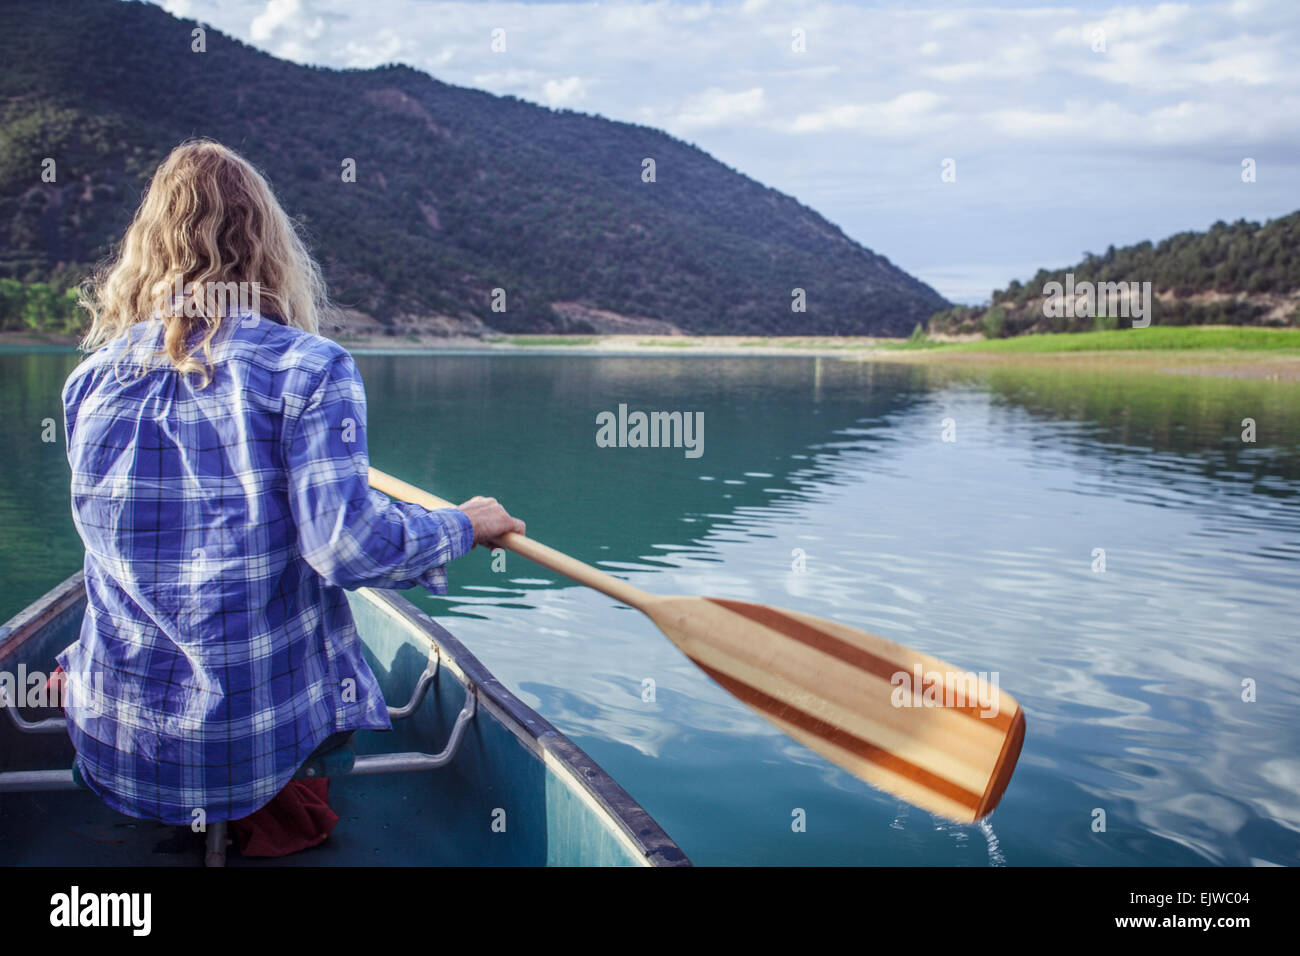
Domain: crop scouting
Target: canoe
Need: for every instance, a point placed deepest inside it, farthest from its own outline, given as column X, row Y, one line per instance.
column 470, row 775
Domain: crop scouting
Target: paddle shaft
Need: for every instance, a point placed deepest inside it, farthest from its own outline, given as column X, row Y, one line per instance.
column 522, row 545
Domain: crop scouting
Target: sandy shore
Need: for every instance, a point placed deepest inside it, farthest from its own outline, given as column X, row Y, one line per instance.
column 633, row 344
column 1222, row 363
column 35, row 338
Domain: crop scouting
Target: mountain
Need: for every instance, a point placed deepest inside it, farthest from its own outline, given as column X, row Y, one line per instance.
column 1239, row 274
column 457, row 192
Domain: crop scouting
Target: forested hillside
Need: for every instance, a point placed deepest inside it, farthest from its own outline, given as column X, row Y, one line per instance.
column 1242, row 273
column 457, row 192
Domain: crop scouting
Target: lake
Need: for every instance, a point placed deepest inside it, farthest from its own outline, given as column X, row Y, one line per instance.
column 1162, row 690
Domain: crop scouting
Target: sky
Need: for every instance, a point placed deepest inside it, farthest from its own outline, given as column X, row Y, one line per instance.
column 1063, row 127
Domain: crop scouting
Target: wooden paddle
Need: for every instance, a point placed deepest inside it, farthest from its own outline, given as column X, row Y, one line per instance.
column 939, row 738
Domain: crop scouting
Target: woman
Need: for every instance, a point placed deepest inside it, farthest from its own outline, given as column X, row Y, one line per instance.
column 219, row 482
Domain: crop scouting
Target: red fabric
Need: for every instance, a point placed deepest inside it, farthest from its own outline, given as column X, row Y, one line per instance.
column 298, row 817
column 54, row 687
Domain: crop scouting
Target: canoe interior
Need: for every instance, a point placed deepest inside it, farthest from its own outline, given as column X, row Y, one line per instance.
column 560, row 808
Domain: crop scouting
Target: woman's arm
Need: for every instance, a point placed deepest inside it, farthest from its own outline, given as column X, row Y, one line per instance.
column 350, row 534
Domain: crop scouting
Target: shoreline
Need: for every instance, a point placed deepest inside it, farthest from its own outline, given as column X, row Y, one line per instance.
column 1216, row 362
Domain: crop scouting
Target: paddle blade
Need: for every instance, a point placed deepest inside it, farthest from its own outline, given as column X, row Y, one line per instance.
column 942, row 739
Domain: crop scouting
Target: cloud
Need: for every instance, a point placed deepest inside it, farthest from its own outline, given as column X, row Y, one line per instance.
column 715, row 107
column 287, row 28
column 280, row 14
column 884, row 72
column 901, row 116
column 565, row 92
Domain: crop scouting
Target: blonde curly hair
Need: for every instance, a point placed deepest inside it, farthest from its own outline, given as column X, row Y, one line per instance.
column 207, row 220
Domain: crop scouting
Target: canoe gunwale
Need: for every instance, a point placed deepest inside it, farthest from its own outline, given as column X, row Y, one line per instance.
column 560, row 753
column 584, row 776
column 29, row 621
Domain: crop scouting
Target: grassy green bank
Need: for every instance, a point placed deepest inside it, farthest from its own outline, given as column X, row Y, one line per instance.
column 1220, row 351
column 1235, row 338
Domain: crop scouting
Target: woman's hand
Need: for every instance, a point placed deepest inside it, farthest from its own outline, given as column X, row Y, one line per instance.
column 490, row 520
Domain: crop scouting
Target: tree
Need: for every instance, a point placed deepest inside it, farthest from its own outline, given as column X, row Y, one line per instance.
column 12, row 295
column 39, row 306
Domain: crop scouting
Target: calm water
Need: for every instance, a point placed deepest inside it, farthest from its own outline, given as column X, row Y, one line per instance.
column 978, row 551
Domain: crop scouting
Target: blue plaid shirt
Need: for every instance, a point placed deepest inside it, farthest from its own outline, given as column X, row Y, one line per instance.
column 221, row 526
